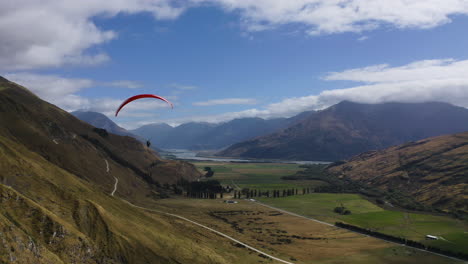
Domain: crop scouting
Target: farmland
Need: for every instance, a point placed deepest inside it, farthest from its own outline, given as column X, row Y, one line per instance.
column 410, row 225
column 261, row 176
column 365, row 214
column 291, row 238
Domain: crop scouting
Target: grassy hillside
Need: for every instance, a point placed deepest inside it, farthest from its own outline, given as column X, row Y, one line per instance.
column 71, row 221
column 78, row 147
column 56, row 176
column 432, row 171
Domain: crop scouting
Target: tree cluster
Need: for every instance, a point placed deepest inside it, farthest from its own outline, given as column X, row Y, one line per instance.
column 342, row 210
column 251, row 193
column 211, row 189
column 209, row 172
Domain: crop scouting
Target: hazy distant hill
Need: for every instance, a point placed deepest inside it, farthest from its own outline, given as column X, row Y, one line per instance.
column 155, row 132
column 434, row 171
column 101, row 121
column 198, row 136
column 347, row 129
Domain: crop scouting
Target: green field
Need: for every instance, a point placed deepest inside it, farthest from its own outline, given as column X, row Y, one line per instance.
column 414, row 226
column 260, row 176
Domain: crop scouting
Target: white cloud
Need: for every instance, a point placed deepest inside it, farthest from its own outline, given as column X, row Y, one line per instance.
column 183, row 86
column 421, row 81
column 227, row 101
column 419, row 70
column 363, row 38
column 337, row 16
column 49, row 86
column 124, row 84
column 50, row 33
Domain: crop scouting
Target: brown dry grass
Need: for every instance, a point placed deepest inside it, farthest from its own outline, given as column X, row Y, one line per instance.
column 287, row 236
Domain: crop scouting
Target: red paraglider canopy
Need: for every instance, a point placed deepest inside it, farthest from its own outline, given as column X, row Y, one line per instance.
column 136, row 97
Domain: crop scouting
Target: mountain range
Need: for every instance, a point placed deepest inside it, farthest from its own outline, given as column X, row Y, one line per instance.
column 205, row 136
column 348, row 128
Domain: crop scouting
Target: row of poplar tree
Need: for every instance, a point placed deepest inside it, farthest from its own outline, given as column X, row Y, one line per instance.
column 249, row 193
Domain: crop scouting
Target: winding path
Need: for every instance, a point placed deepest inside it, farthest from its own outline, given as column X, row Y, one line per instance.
column 115, row 186
column 116, row 180
column 107, row 166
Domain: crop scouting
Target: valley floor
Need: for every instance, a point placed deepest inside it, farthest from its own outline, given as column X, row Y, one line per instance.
column 292, row 238
column 300, row 240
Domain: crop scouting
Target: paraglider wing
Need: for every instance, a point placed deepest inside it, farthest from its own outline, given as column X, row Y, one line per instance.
column 136, row 97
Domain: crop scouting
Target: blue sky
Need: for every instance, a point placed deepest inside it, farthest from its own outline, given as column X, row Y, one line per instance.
column 219, row 60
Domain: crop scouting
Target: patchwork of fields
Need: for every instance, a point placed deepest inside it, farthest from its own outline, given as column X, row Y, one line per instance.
column 453, row 233
column 291, row 238
column 414, row 226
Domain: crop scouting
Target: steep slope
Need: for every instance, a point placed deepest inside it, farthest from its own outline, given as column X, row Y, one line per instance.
column 74, row 145
column 56, row 176
column 347, row 129
column 434, row 171
column 48, row 215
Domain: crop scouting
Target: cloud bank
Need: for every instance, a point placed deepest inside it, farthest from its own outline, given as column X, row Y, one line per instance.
column 51, row 33
column 442, row 80
column 338, row 16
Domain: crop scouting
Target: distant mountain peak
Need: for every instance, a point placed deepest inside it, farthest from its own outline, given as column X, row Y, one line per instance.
column 349, row 128
column 100, row 120
column 204, row 136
